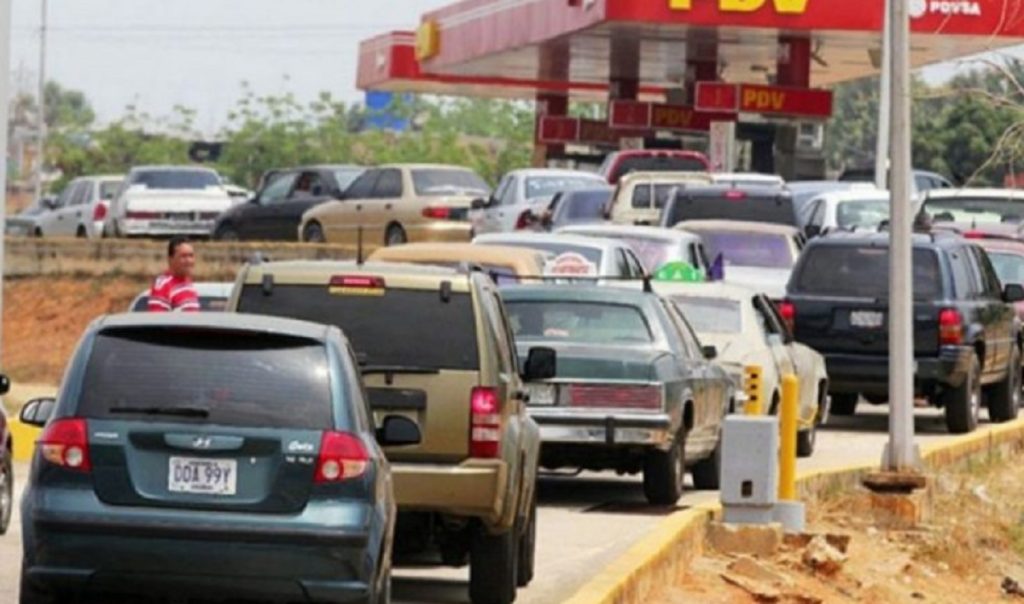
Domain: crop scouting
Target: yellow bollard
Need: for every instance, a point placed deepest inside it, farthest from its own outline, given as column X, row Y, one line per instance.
column 752, row 386
column 788, row 413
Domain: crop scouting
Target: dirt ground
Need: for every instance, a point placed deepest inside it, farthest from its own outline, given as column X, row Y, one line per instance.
column 969, row 550
column 43, row 319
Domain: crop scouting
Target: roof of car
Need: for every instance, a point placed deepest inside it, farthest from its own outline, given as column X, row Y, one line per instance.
column 975, row 193
column 415, row 166
column 215, row 320
column 770, row 179
column 656, row 153
column 667, row 177
column 522, row 260
column 842, row 195
column 777, row 190
column 175, row 168
column 576, row 293
column 575, row 240
column 707, row 289
column 320, row 272
column 934, row 238
column 527, row 172
column 614, row 231
column 737, row 225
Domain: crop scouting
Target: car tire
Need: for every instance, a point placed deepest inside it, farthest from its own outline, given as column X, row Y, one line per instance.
column 664, row 473
column 805, row 440
column 81, row 233
column 527, row 551
column 962, row 404
column 707, row 473
column 395, row 235
column 1003, row 398
column 492, row 567
column 6, row 492
column 313, row 233
column 37, row 232
column 845, row 403
column 226, row 233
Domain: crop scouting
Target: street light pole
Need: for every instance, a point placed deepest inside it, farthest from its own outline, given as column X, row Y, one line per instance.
column 5, row 95
column 884, row 103
column 901, row 453
column 41, row 111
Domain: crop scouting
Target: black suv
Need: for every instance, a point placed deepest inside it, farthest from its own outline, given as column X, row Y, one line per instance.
column 967, row 342
column 762, row 203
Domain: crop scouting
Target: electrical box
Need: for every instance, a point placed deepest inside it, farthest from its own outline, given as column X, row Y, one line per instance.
column 750, row 462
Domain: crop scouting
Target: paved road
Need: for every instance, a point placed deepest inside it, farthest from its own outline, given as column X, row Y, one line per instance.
column 586, row 522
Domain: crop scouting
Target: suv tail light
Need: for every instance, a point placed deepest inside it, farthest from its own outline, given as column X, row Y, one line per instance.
column 437, row 212
column 65, row 443
column 951, row 327
column 485, row 423
column 99, row 211
column 787, row 310
column 342, row 457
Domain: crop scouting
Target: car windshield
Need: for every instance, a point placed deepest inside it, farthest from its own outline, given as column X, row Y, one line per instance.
column 346, row 176
column 862, row 213
column 710, row 315
column 546, row 186
column 975, row 210
column 862, row 272
column 219, row 377
column 762, row 250
column 584, row 322
column 382, row 325
column 108, row 189
column 433, row 182
column 583, row 206
column 1009, row 267
column 176, row 179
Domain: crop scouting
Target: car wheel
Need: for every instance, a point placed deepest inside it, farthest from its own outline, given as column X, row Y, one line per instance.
column 805, row 440
column 707, row 473
column 1004, row 398
column 313, row 233
column 81, row 232
column 964, row 402
column 394, row 236
column 664, row 473
column 492, row 567
column 845, row 403
column 6, row 492
column 37, row 232
column 527, row 548
column 226, row 233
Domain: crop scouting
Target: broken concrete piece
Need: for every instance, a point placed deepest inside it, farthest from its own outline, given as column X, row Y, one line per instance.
column 752, row 569
column 759, row 591
column 822, row 557
column 752, row 539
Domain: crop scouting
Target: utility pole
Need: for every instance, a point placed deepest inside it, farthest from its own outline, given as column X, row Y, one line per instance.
column 884, row 104
column 5, row 95
column 41, row 102
column 901, row 452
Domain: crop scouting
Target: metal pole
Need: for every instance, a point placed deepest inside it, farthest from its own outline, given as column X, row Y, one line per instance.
column 41, row 100
column 901, row 453
column 884, row 103
column 5, row 95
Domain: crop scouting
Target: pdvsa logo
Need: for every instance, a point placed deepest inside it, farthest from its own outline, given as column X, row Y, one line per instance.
column 784, row 7
column 946, row 8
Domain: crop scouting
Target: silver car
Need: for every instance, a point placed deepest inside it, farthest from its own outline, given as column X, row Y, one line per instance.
column 522, row 194
column 80, row 209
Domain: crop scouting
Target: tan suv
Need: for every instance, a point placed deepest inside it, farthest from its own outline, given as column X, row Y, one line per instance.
column 639, row 197
column 434, row 345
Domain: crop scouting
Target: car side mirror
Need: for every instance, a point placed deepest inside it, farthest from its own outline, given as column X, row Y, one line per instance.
column 37, row 411
column 50, row 203
column 479, row 204
column 812, row 230
column 710, row 352
column 1013, row 292
column 398, row 431
column 541, row 364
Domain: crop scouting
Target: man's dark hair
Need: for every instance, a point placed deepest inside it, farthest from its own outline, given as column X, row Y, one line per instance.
column 175, row 242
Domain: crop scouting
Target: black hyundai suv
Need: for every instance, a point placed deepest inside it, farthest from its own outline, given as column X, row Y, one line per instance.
column 967, row 342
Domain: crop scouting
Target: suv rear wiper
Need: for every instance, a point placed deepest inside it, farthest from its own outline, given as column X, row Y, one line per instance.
column 366, row 369
column 174, row 411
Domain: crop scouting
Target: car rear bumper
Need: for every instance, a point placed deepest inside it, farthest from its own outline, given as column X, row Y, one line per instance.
column 599, row 429
column 869, row 374
column 75, row 543
column 473, row 488
column 444, row 231
column 164, row 228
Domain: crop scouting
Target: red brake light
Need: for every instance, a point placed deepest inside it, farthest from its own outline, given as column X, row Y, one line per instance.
column 485, row 420
column 437, row 212
column 951, row 327
column 99, row 211
column 788, row 312
column 357, row 281
column 342, row 457
column 142, row 215
column 615, row 397
column 974, row 235
column 734, row 194
column 65, row 442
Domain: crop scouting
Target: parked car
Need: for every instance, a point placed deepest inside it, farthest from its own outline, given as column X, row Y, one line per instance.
column 746, row 329
column 618, row 164
column 80, row 209
column 174, row 460
column 24, row 223
column 773, row 205
column 522, row 195
column 213, row 296
column 162, row 201
column 975, row 206
column 634, row 389
column 747, row 179
column 434, row 346
column 923, row 180
column 582, row 206
column 396, row 204
column 506, row 265
column 655, row 246
column 575, row 255
column 756, row 254
column 275, row 211
column 966, row 337
column 847, row 211
column 640, row 196
column 804, row 191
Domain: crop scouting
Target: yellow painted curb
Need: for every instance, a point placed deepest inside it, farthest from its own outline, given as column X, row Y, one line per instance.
column 24, row 438
column 655, row 561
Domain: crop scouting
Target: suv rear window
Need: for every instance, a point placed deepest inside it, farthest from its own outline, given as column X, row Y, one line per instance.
column 402, row 327
column 578, row 322
column 863, row 272
column 175, row 179
column 228, row 378
column 773, row 209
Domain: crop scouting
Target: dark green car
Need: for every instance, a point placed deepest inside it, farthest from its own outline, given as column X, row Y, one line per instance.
column 634, row 391
column 209, row 456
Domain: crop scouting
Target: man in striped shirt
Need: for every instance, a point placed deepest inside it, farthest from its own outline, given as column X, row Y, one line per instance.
column 174, row 290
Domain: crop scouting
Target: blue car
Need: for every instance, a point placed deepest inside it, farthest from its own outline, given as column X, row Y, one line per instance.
column 209, row 456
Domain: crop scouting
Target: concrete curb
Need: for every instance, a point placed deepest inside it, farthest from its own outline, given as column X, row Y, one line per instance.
column 661, row 556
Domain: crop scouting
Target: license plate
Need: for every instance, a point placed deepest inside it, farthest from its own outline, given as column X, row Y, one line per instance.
column 866, row 319
column 202, row 476
column 542, row 395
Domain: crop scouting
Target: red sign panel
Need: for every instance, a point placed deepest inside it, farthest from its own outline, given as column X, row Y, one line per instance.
column 717, row 96
column 654, row 116
column 561, row 129
column 768, row 100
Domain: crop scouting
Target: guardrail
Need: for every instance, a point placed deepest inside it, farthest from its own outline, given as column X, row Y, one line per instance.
column 216, row 260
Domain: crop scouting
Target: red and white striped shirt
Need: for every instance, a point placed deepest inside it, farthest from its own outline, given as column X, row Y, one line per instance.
column 173, row 293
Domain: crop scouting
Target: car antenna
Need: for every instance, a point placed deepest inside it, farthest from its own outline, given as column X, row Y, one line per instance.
column 359, row 246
